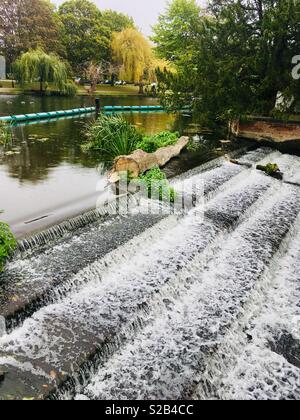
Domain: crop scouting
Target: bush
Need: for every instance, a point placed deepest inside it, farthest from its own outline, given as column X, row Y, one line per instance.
column 158, row 185
column 152, row 143
column 112, row 136
column 270, row 168
column 7, row 244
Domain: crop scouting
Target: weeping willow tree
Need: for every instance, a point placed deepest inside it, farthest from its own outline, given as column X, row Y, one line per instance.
column 135, row 57
column 36, row 65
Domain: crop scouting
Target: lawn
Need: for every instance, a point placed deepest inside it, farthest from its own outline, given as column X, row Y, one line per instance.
column 127, row 90
column 111, row 90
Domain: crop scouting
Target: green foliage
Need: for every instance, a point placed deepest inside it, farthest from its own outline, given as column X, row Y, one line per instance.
column 158, row 185
column 83, row 34
column 68, row 89
column 133, row 53
column 112, row 136
column 152, row 143
column 7, row 244
column 25, row 25
column 116, row 21
column 271, row 168
column 230, row 60
column 78, row 31
column 5, row 134
column 177, row 30
column 37, row 65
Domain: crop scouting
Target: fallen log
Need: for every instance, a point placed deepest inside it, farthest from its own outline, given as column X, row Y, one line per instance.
column 139, row 161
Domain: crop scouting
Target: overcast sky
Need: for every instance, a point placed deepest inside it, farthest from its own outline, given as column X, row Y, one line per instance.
column 144, row 12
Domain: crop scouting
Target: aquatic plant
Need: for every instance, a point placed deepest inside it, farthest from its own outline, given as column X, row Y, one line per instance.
column 271, row 169
column 152, row 143
column 7, row 244
column 112, row 136
column 5, row 134
column 158, row 185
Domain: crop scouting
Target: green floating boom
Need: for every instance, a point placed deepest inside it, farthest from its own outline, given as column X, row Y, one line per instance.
column 77, row 111
column 46, row 115
column 133, row 108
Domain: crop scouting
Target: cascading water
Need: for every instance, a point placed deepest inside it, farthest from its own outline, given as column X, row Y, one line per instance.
column 174, row 310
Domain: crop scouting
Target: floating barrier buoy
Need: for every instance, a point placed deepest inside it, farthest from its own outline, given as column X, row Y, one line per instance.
column 77, row 111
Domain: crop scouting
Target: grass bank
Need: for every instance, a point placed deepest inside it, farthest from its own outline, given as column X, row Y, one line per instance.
column 102, row 90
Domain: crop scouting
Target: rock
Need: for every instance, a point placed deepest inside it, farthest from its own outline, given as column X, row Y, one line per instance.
column 266, row 130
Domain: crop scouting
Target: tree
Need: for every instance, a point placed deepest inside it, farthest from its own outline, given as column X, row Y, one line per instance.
column 117, row 22
column 177, row 36
column 83, row 34
column 177, row 30
column 37, row 65
column 96, row 72
column 133, row 52
column 26, row 24
column 237, row 60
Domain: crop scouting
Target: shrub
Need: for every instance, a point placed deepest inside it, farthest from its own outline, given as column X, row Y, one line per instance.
column 270, row 169
column 7, row 244
column 112, row 136
column 158, row 185
column 152, row 143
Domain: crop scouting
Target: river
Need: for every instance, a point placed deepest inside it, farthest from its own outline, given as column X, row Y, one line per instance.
column 44, row 175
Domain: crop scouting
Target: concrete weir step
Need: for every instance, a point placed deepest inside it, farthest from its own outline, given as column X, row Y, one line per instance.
column 31, row 282
column 167, row 294
column 201, row 319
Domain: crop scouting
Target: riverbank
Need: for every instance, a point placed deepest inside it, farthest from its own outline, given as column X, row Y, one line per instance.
column 102, row 90
column 267, row 129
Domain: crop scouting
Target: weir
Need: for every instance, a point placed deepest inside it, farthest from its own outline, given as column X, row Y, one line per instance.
column 155, row 314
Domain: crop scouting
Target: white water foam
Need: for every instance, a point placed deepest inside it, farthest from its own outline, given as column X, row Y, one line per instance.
column 167, row 358
column 247, row 366
column 110, row 299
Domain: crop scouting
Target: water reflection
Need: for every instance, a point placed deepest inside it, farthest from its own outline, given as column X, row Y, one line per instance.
column 39, row 147
column 25, row 104
column 44, row 168
column 44, row 173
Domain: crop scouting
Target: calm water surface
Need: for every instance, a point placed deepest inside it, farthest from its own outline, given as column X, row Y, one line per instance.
column 44, row 173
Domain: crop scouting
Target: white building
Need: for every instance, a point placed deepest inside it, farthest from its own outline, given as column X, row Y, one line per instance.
column 2, row 68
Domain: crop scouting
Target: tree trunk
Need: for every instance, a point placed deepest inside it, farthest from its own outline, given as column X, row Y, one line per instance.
column 141, row 91
column 139, row 161
column 41, row 86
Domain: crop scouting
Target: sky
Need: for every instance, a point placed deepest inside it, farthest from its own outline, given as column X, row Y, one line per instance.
column 144, row 12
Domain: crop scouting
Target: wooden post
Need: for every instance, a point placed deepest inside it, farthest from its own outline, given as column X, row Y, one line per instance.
column 98, row 107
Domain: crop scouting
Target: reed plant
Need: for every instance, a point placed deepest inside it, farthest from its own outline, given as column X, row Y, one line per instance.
column 112, row 136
